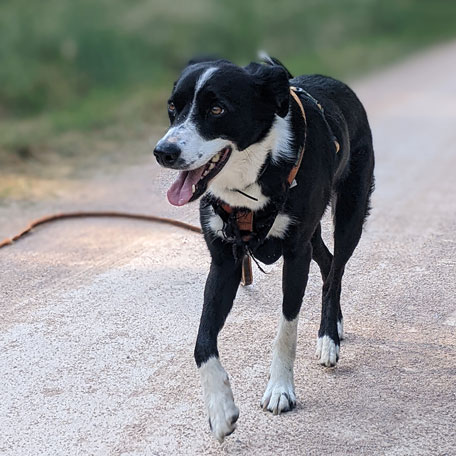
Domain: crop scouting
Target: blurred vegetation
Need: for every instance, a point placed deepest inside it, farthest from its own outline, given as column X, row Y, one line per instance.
column 84, row 64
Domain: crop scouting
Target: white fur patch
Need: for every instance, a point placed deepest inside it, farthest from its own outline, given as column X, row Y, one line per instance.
column 243, row 167
column 327, row 351
column 216, row 225
column 340, row 329
column 236, row 199
column 240, row 173
column 198, row 86
column 203, row 79
column 283, row 137
column 280, row 392
column 212, row 221
column 195, row 150
column 218, row 398
column 280, row 226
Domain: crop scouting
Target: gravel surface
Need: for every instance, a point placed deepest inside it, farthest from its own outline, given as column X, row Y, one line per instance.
column 100, row 316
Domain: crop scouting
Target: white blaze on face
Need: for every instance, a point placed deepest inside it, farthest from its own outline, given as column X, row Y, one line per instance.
column 196, row 151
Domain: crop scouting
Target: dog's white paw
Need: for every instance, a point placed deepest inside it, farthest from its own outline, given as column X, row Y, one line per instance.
column 222, row 418
column 340, row 329
column 279, row 396
column 218, row 397
column 327, row 351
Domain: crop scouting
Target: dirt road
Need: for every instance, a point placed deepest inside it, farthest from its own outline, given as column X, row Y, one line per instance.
column 100, row 317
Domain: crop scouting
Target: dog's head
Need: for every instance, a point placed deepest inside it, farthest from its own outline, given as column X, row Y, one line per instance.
column 216, row 110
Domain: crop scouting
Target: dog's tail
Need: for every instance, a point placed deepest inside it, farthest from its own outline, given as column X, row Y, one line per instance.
column 268, row 60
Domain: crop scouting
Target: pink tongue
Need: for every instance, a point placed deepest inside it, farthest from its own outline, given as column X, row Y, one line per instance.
column 180, row 192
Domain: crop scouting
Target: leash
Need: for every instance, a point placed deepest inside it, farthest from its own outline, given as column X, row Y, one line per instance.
column 247, row 274
column 72, row 215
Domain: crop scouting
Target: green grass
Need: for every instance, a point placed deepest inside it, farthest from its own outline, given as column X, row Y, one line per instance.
column 90, row 64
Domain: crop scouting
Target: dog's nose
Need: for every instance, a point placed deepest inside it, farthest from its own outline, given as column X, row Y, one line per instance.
column 167, row 153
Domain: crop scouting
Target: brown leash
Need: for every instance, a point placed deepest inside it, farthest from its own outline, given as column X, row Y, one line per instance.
column 247, row 275
column 72, row 215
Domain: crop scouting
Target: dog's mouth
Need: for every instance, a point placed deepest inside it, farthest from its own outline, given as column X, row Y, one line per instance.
column 190, row 185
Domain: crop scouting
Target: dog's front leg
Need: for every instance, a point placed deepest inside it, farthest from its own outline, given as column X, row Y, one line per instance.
column 280, row 392
column 220, row 291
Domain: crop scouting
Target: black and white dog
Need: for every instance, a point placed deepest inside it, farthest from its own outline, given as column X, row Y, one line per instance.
column 235, row 135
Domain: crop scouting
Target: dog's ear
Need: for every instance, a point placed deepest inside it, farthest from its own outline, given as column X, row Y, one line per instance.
column 272, row 82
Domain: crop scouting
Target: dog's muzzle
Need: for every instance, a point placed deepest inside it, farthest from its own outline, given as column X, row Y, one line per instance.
column 167, row 153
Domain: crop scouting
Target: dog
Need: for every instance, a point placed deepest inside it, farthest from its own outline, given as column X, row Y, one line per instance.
column 253, row 143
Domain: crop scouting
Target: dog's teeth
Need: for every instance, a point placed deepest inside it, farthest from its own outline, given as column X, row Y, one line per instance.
column 216, row 158
column 206, row 172
column 212, row 166
column 193, row 188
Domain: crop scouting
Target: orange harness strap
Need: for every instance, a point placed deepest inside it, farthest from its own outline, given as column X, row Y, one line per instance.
column 296, row 167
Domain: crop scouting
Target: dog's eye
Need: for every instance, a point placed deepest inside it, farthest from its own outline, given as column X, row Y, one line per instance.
column 171, row 107
column 217, row 110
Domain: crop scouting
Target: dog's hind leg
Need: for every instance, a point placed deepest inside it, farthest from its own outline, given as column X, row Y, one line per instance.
column 280, row 392
column 323, row 257
column 320, row 253
column 219, row 293
column 351, row 210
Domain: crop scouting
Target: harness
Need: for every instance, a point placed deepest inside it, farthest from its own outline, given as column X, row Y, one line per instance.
column 243, row 218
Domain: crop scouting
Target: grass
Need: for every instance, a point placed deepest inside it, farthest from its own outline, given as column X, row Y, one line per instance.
column 92, row 65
